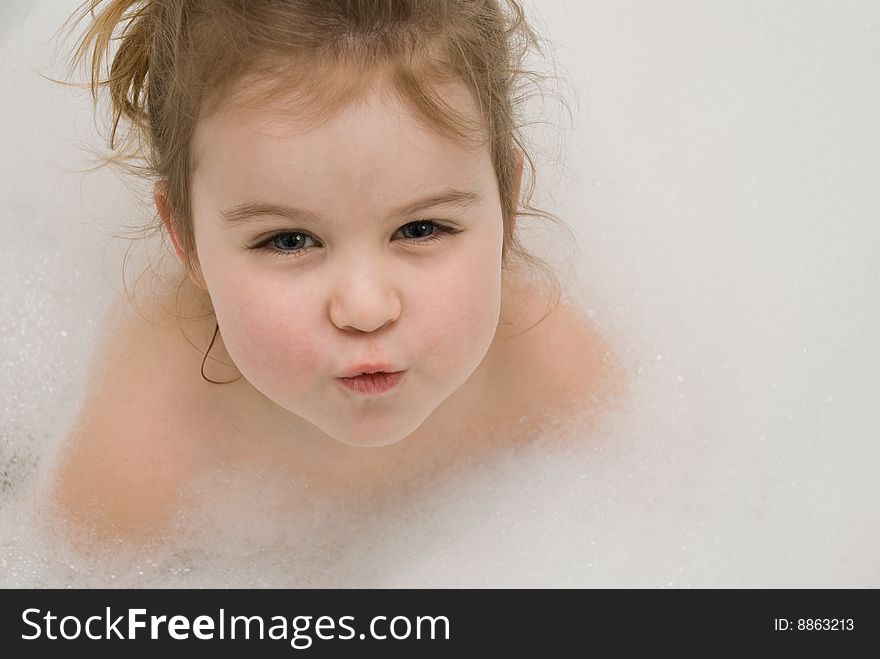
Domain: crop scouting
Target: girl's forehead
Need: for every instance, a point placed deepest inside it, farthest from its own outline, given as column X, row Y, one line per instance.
column 375, row 150
column 256, row 115
column 377, row 127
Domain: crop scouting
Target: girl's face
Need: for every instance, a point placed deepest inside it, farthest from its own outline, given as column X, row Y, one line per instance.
column 360, row 272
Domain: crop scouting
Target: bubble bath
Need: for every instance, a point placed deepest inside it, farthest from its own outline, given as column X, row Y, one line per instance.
column 720, row 180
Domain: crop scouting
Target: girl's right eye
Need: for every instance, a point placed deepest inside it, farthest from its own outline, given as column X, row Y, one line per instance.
column 284, row 244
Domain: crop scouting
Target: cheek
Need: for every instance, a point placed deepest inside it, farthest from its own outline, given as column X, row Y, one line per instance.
column 270, row 341
column 461, row 318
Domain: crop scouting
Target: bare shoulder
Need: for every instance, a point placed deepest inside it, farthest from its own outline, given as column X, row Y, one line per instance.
column 556, row 360
column 121, row 470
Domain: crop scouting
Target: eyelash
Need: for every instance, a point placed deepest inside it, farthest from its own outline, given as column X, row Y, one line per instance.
column 440, row 233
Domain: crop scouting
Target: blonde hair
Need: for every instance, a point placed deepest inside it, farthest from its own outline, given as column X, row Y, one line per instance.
column 178, row 61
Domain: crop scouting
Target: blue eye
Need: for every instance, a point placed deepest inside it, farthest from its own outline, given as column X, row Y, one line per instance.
column 285, row 244
column 289, row 241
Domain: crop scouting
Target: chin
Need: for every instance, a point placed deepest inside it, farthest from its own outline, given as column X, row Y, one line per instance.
column 359, row 442
column 365, row 441
column 375, row 438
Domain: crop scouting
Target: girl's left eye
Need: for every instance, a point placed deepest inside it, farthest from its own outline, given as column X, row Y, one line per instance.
column 289, row 243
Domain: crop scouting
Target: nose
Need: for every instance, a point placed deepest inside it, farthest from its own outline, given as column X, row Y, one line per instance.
column 365, row 301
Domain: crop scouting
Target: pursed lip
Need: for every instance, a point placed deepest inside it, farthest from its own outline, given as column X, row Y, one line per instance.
column 373, row 367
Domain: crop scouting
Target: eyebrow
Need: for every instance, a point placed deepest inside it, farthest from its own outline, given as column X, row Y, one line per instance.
column 242, row 213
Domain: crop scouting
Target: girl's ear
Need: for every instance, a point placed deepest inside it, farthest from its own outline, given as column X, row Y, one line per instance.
column 166, row 213
column 517, row 182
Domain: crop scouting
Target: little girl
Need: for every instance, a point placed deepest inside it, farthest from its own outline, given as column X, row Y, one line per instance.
column 340, row 182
